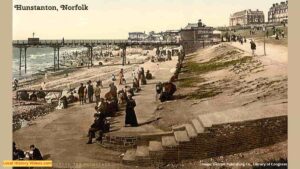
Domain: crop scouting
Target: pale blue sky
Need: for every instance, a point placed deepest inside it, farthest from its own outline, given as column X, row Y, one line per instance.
column 107, row 19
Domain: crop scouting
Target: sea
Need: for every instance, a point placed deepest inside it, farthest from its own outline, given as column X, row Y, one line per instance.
column 38, row 60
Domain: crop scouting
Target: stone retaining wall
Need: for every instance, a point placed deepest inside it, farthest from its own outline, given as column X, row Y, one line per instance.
column 216, row 140
column 193, row 46
column 232, row 138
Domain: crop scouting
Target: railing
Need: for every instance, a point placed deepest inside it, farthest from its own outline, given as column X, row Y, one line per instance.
column 91, row 42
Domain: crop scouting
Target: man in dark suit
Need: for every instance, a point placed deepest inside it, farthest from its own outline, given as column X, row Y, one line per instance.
column 98, row 125
column 36, row 155
column 81, row 93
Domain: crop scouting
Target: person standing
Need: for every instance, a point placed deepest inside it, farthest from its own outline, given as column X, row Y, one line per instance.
column 90, row 91
column 253, row 47
column 81, row 93
column 84, row 93
column 121, row 76
column 97, row 93
column 130, row 118
column 282, row 34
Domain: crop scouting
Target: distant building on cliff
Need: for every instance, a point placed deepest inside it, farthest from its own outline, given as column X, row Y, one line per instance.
column 278, row 13
column 137, row 36
column 247, row 17
column 196, row 32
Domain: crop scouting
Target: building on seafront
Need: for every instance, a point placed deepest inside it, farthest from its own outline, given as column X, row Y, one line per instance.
column 278, row 13
column 247, row 17
column 171, row 35
column 137, row 36
column 196, row 32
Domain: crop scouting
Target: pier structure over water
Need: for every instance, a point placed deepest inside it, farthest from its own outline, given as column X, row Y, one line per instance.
column 90, row 44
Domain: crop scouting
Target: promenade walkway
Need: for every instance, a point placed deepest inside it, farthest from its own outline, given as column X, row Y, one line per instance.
column 61, row 135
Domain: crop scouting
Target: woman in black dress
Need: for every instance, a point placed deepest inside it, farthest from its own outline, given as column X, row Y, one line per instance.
column 130, row 118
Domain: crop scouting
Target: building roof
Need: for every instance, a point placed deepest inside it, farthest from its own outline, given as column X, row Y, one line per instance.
column 190, row 25
column 136, row 33
column 248, row 12
column 172, row 31
column 282, row 5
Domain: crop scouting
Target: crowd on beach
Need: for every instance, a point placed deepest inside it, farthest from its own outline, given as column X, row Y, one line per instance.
column 107, row 105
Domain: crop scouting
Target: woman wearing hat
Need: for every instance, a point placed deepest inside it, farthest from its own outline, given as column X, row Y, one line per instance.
column 130, row 118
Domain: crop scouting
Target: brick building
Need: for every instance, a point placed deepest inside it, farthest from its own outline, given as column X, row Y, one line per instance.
column 247, row 17
column 278, row 13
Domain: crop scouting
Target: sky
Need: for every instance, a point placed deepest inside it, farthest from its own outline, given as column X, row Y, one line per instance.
column 113, row 19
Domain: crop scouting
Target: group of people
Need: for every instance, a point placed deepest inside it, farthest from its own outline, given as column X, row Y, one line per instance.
column 139, row 77
column 33, row 154
column 88, row 92
column 34, row 96
column 106, row 108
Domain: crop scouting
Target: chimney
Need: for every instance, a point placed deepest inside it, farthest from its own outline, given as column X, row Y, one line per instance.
column 199, row 23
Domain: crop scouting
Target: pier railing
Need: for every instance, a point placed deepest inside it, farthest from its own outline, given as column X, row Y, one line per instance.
column 75, row 42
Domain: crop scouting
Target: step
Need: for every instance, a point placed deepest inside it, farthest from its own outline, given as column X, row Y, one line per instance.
column 169, row 141
column 129, row 155
column 181, row 136
column 205, row 121
column 178, row 128
column 190, row 131
column 142, row 151
column 198, row 127
column 155, row 146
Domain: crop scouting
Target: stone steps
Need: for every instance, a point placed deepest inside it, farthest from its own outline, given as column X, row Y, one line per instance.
column 142, row 151
column 169, row 141
column 190, row 131
column 188, row 140
column 155, row 146
column 142, row 156
column 181, row 136
column 129, row 157
column 198, row 126
column 167, row 148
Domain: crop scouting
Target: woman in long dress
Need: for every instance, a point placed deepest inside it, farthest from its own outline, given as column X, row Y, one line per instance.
column 130, row 118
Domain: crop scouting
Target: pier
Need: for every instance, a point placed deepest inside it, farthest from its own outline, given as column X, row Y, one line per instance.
column 90, row 44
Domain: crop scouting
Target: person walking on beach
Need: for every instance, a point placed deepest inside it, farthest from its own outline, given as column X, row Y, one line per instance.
column 90, row 91
column 81, row 93
column 97, row 93
column 130, row 118
column 253, row 47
